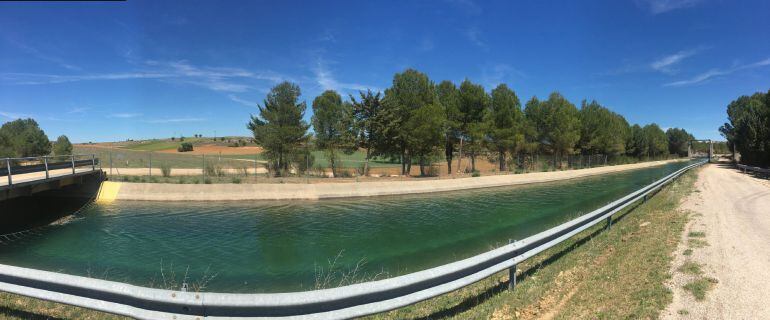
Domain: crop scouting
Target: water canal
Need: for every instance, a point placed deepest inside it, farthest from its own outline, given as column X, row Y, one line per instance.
column 282, row 246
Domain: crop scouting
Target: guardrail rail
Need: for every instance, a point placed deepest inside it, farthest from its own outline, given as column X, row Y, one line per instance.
column 336, row 303
column 26, row 165
column 745, row 168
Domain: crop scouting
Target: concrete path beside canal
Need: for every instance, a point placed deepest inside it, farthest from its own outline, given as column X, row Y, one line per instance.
column 276, row 191
column 731, row 212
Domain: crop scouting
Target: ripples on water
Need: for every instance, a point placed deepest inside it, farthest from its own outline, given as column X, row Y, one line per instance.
column 279, row 246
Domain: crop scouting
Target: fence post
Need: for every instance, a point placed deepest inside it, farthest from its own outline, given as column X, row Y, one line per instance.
column 93, row 162
column 110, row 163
column 73, row 164
column 511, row 272
column 203, row 169
column 45, row 162
column 150, row 163
column 8, row 166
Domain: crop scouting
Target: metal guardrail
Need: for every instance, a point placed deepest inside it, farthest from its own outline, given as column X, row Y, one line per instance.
column 45, row 164
column 754, row 169
column 336, row 303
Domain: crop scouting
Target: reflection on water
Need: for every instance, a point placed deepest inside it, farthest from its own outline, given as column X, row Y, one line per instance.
column 281, row 245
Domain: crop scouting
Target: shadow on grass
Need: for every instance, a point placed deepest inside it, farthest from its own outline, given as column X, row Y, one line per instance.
column 8, row 312
column 490, row 292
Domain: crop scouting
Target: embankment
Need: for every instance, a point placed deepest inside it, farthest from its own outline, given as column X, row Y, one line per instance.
column 232, row 192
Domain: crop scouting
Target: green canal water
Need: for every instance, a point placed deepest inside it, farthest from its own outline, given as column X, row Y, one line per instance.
column 282, row 246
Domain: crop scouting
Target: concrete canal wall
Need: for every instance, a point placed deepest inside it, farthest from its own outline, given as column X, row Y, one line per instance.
column 111, row 191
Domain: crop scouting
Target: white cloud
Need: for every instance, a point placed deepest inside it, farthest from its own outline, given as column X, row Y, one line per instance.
column 13, row 115
column 43, row 56
column 663, row 6
column 666, row 64
column 221, row 79
column 124, row 115
column 473, row 34
column 175, row 120
column 78, row 110
column 241, row 101
column 705, row 76
column 326, row 80
column 493, row 75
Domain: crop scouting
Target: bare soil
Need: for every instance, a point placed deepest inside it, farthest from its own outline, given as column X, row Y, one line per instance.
column 728, row 236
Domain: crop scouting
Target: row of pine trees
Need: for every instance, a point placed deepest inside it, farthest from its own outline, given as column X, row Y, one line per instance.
column 418, row 122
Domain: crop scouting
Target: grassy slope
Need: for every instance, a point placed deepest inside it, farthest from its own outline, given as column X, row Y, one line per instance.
column 612, row 274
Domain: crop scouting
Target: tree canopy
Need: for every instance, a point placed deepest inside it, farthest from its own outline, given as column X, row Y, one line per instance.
column 678, row 141
column 333, row 125
column 62, row 146
column 23, row 138
column 279, row 128
column 504, row 123
column 602, row 131
column 748, row 128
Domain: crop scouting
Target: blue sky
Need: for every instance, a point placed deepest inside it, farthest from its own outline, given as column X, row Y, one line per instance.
column 142, row 69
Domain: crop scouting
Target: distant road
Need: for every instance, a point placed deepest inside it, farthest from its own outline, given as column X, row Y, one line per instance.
column 733, row 209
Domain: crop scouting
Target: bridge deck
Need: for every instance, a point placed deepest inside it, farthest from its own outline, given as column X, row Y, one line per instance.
column 27, row 179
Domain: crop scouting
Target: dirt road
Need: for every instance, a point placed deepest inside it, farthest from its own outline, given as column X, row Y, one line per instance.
column 733, row 210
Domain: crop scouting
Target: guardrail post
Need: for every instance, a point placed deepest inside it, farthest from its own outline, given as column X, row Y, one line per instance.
column 73, row 164
column 511, row 272
column 609, row 223
column 45, row 162
column 8, row 166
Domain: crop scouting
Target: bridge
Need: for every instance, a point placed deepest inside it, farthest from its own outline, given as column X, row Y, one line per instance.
column 30, row 175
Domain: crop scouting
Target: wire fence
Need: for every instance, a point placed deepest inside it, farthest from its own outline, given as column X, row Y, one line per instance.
column 171, row 166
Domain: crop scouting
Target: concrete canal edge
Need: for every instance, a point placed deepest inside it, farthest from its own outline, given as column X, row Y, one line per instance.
column 111, row 191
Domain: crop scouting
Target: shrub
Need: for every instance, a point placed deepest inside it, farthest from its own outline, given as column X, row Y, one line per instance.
column 433, row 171
column 236, row 180
column 165, row 169
column 476, row 173
column 207, row 181
column 185, row 146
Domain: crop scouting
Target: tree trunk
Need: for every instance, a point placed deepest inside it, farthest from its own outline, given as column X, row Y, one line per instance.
column 502, row 160
column 366, row 164
column 473, row 161
column 332, row 164
column 408, row 164
column 448, row 154
column 460, row 155
column 422, row 166
column 403, row 162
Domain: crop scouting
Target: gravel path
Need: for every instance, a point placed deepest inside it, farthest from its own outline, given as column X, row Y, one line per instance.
column 733, row 209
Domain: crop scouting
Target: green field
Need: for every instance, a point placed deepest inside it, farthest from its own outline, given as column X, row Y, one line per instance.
column 142, row 154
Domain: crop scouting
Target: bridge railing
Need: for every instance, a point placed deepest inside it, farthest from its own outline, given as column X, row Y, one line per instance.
column 336, row 303
column 26, row 165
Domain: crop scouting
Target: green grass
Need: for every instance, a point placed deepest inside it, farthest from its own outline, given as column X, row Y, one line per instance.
column 697, row 243
column 699, row 287
column 127, row 158
column 696, row 234
column 691, row 268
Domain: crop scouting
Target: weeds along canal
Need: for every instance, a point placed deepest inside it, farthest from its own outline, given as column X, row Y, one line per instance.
column 273, row 246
